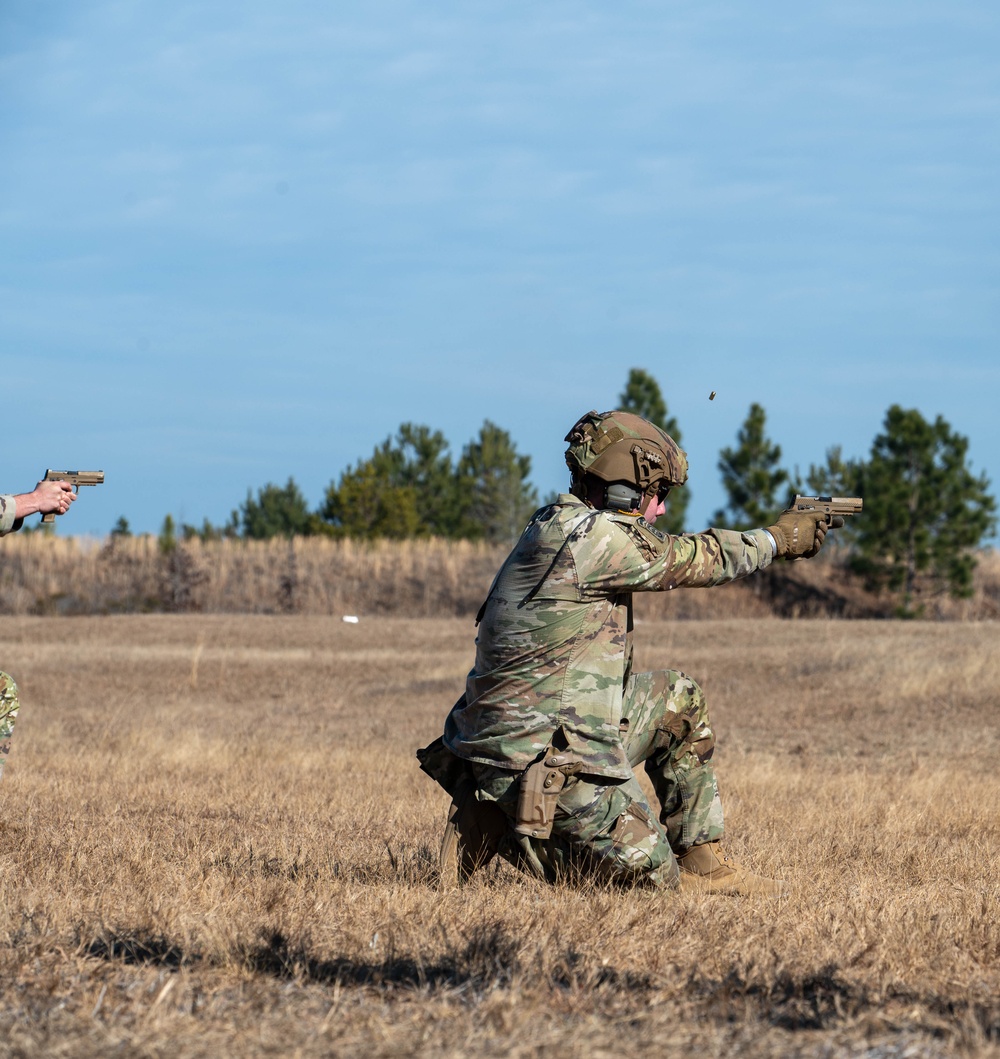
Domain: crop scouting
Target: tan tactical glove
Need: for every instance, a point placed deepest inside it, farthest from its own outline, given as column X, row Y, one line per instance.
column 799, row 534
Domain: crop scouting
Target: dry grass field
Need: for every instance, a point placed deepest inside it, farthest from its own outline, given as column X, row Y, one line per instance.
column 214, row 840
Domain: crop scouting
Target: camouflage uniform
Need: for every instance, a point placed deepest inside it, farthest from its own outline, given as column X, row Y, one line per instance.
column 8, row 714
column 553, row 674
column 7, row 509
column 8, row 689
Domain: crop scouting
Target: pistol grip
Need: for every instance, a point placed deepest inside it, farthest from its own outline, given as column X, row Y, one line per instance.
column 49, row 516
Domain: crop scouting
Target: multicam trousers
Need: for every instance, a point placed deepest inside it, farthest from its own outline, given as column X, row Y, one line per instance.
column 606, row 828
column 8, row 713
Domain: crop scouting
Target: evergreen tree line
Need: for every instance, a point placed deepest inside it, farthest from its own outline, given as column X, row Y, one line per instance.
column 925, row 511
column 409, row 487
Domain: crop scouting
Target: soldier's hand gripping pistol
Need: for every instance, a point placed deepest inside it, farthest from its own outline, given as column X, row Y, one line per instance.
column 76, row 479
column 799, row 531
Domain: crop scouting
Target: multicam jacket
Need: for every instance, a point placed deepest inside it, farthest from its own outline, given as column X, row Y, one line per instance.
column 554, row 645
column 7, row 509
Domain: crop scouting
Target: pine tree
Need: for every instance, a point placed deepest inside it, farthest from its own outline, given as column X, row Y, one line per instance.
column 406, row 488
column 643, row 397
column 121, row 528
column 751, row 476
column 371, row 501
column 493, row 488
column 925, row 512
column 426, row 467
column 167, row 540
column 277, row 511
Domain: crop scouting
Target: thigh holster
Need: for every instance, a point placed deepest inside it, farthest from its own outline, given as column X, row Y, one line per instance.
column 541, row 785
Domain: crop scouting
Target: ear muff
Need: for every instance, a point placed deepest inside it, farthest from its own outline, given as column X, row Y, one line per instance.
column 620, row 496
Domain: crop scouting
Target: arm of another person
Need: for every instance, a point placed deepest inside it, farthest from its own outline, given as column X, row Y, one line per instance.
column 45, row 497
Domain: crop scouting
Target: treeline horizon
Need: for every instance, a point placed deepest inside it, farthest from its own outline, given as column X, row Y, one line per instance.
column 925, row 515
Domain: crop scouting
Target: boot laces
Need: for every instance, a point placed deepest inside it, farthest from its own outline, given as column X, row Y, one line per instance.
column 726, row 857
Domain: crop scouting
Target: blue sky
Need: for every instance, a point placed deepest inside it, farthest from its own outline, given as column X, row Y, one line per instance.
column 243, row 241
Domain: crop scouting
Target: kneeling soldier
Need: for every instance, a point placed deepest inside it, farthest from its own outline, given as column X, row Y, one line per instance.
column 539, row 752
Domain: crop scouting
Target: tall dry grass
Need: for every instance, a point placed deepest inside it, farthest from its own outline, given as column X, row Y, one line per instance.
column 306, row 575
column 49, row 575
column 215, row 841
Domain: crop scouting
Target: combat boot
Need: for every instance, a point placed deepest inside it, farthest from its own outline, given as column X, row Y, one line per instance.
column 471, row 836
column 708, row 869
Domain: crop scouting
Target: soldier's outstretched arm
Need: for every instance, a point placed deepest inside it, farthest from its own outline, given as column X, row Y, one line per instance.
column 628, row 554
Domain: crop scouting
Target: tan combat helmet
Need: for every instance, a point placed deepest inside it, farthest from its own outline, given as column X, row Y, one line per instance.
column 623, row 447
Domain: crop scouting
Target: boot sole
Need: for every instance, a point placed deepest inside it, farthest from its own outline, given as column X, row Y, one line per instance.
column 705, row 884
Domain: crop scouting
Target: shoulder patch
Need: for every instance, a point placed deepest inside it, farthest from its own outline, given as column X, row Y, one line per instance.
column 648, row 527
column 637, row 526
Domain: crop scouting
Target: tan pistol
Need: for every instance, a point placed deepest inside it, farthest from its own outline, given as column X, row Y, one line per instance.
column 834, row 507
column 76, row 479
